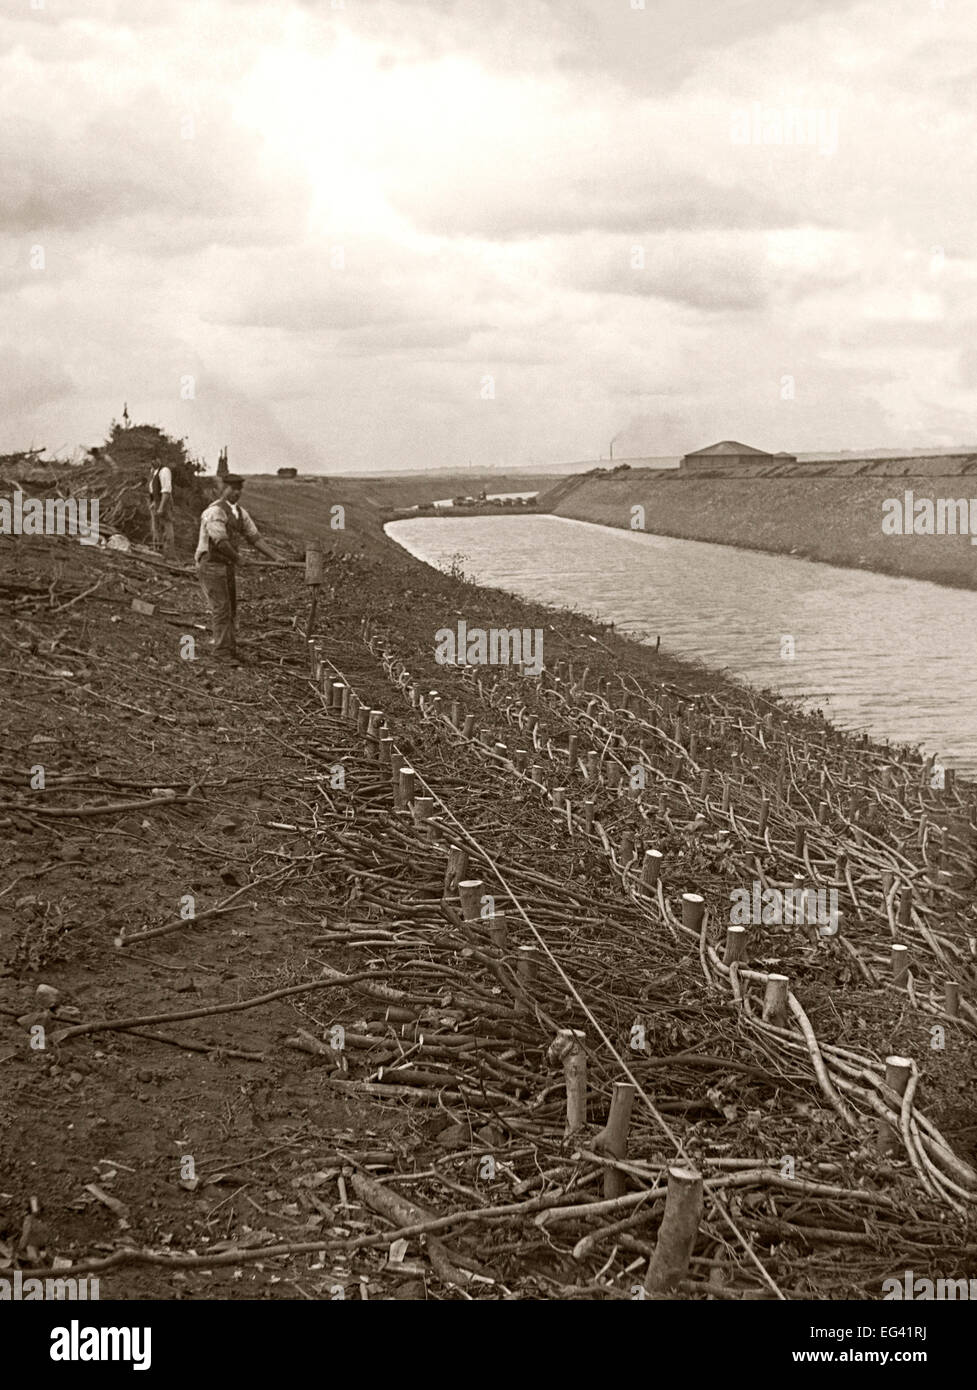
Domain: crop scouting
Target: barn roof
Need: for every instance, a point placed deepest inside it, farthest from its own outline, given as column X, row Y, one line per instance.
column 727, row 447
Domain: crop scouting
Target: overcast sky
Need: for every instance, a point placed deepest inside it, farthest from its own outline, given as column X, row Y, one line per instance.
column 414, row 233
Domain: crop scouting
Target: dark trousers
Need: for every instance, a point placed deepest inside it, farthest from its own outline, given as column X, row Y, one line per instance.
column 164, row 524
column 219, row 584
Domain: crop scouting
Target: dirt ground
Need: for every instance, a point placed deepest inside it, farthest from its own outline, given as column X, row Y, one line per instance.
column 219, row 1134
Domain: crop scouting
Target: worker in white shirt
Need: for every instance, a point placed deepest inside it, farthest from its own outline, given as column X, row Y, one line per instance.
column 224, row 525
column 161, row 508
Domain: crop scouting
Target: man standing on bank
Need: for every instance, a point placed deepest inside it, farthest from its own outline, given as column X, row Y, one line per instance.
column 161, row 508
column 223, row 527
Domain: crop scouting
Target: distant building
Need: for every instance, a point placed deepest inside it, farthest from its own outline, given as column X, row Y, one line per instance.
column 288, row 472
column 729, row 454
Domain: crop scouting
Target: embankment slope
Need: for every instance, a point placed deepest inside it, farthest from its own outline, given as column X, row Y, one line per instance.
column 837, row 520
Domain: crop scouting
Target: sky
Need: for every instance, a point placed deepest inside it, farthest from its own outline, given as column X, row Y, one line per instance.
column 347, row 235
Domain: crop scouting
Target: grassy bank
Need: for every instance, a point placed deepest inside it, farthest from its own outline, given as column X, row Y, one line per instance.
column 835, row 520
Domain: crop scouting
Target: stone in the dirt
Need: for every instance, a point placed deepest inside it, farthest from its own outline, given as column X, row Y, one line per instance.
column 34, row 1234
column 491, row 1135
column 48, row 995
column 43, row 1016
column 455, row 1137
column 411, row 1289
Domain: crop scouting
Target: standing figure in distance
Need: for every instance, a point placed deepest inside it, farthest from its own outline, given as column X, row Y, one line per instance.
column 161, row 508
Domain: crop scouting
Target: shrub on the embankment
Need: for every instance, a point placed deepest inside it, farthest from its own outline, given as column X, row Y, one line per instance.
column 837, row 520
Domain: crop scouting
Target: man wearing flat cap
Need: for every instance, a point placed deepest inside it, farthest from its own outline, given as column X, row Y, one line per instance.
column 224, row 526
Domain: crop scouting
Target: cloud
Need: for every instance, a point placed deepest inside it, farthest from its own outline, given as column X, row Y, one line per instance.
column 29, row 380
column 339, row 222
column 704, row 270
column 146, row 155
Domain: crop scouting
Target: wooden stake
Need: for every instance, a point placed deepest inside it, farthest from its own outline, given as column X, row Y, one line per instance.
column 470, row 892
column 735, row 945
column 669, row 1265
column 456, row 869
column 568, row 1049
column 406, row 787
column 313, row 578
column 951, row 998
column 313, row 565
column 651, row 868
column 397, row 762
column 497, row 929
column 775, row 1000
column 693, row 906
column 897, row 1073
column 423, row 809
column 900, row 965
column 613, row 1138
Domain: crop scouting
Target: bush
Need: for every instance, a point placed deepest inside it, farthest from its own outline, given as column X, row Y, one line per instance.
column 142, row 446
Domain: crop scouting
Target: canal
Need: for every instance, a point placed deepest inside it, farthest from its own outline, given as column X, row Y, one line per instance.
column 896, row 657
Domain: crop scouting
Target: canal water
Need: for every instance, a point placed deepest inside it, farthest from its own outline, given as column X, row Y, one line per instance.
column 896, row 657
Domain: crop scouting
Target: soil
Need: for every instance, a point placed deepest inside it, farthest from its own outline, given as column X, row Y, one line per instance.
column 218, row 1135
